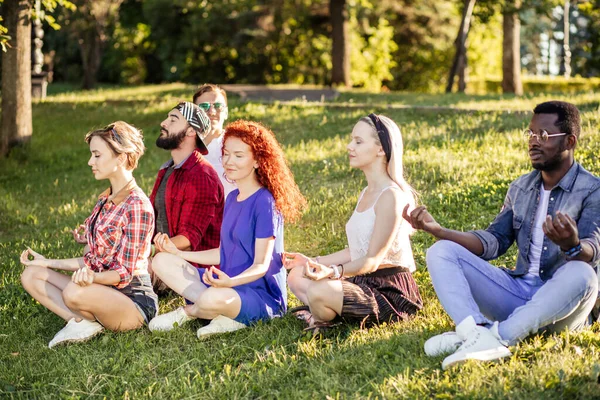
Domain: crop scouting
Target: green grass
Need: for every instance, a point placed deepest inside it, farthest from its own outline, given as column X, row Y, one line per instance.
column 460, row 162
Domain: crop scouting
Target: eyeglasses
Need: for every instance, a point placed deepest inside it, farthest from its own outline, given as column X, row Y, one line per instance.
column 541, row 136
column 217, row 106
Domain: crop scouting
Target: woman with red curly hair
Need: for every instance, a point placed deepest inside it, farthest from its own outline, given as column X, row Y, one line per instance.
column 251, row 282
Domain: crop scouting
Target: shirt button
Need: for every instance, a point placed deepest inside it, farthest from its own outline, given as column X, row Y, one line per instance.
column 551, row 198
column 545, row 248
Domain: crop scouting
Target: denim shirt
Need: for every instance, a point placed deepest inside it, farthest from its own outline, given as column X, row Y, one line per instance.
column 577, row 194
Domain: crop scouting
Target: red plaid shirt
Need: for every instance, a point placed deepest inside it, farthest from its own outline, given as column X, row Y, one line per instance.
column 194, row 202
column 119, row 233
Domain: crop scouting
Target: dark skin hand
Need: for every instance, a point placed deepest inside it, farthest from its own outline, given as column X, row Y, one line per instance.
column 562, row 230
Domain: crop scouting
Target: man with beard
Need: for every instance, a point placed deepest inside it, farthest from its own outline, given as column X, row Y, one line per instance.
column 552, row 213
column 187, row 195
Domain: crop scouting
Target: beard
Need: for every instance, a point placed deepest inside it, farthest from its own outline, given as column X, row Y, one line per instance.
column 170, row 142
column 552, row 163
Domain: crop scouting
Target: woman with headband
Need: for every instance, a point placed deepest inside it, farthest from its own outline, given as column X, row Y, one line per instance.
column 371, row 280
column 110, row 286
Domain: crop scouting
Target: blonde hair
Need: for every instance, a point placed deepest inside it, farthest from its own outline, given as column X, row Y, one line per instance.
column 121, row 138
column 395, row 167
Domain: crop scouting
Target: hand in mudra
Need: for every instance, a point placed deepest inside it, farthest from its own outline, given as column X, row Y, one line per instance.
column 420, row 219
column 164, row 243
column 293, row 260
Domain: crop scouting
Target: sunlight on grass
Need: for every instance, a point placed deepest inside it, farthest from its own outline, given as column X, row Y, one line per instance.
column 461, row 163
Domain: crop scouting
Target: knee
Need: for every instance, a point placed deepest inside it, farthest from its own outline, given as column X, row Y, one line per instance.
column 213, row 300
column 161, row 262
column 440, row 249
column 294, row 280
column 29, row 275
column 581, row 276
column 72, row 295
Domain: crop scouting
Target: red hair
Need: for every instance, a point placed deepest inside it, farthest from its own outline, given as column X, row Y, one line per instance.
column 273, row 172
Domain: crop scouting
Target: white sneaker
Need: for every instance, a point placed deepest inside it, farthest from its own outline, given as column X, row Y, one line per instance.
column 220, row 324
column 76, row 332
column 168, row 321
column 445, row 343
column 480, row 343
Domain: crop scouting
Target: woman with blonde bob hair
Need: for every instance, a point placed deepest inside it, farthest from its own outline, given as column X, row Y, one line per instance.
column 250, row 284
column 110, row 286
column 370, row 281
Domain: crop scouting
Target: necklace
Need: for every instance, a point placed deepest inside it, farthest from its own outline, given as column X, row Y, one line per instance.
column 113, row 195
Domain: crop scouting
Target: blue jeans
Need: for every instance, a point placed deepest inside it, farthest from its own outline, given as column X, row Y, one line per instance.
column 467, row 285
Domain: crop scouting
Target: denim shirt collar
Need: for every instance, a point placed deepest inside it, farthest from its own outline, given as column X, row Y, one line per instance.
column 566, row 182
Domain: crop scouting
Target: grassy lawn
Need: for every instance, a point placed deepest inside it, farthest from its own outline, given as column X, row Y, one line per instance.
column 460, row 162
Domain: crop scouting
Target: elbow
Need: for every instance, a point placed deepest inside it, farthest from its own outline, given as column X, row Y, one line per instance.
column 372, row 264
column 261, row 270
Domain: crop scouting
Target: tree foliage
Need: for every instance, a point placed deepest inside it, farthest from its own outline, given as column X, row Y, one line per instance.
column 268, row 41
column 399, row 44
column 47, row 7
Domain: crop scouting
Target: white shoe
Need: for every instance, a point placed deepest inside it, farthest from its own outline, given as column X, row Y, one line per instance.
column 480, row 343
column 445, row 343
column 220, row 324
column 168, row 321
column 76, row 332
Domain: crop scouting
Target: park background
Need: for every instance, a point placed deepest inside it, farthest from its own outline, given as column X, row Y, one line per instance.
column 133, row 60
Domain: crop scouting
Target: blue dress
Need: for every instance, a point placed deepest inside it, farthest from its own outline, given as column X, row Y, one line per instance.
column 243, row 222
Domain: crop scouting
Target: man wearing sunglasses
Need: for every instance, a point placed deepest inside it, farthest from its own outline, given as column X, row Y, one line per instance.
column 187, row 195
column 213, row 100
column 552, row 213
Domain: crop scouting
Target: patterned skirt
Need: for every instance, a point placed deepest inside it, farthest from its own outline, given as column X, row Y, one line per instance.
column 386, row 295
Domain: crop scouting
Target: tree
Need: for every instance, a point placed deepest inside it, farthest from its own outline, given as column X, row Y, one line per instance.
column 16, row 122
column 88, row 25
column 340, row 46
column 511, row 48
column 459, row 65
column 16, row 125
column 565, row 64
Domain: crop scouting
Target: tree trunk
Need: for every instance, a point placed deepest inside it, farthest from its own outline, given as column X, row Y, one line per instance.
column 511, row 49
column 459, row 65
column 91, row 55
column 340, row 49
column 16, row 125
column 565, row 64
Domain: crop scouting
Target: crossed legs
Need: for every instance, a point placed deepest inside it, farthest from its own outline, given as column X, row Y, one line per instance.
column 184, row 279
column 467, row 286
column 56, row 292
column 325, row 298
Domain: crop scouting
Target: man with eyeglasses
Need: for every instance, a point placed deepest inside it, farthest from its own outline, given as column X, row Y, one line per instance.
column 213, row 100
column 187, row 195
column 552, row 213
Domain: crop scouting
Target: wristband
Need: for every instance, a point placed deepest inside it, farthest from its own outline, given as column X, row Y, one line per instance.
column 152, row 251
column 573, row 251
column 336, row 272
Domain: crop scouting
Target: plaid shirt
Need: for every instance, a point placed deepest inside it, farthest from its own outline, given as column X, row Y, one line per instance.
column 119, row 233
column 194, row 202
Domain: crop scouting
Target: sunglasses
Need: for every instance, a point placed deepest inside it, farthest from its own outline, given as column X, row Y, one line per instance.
column 217, row 106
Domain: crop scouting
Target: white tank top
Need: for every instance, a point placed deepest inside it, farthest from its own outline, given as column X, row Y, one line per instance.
column 359, row 230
